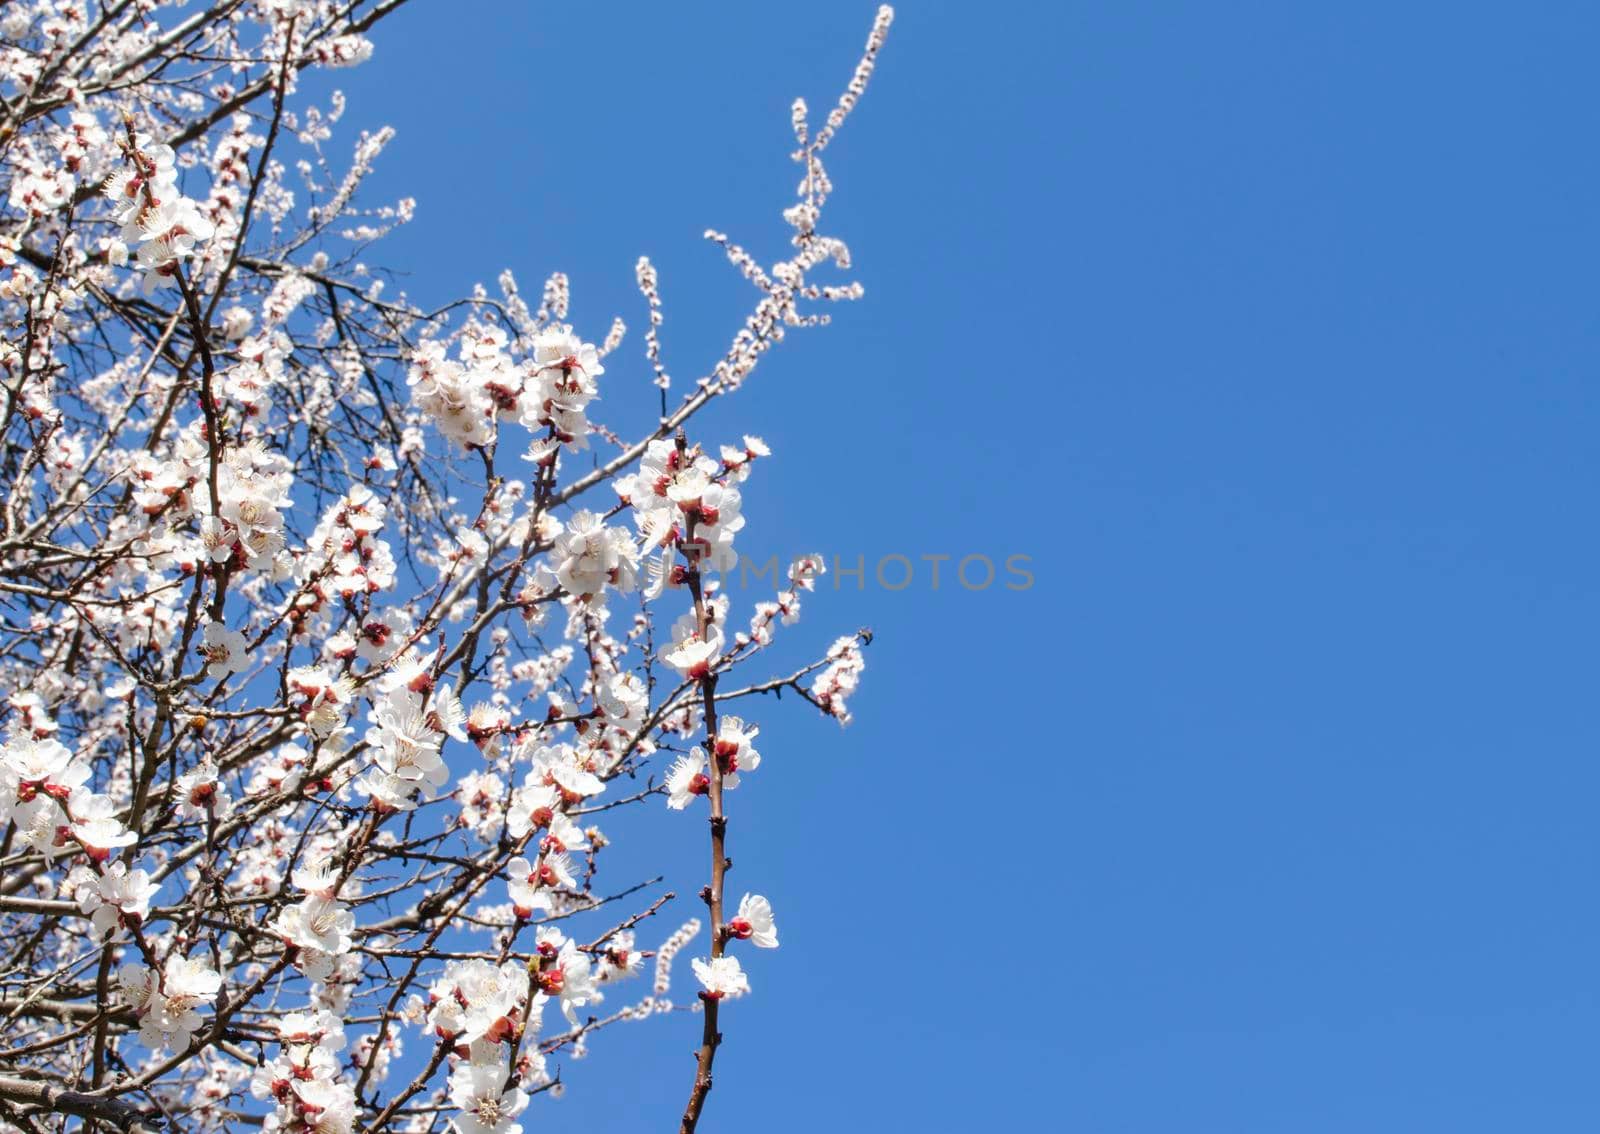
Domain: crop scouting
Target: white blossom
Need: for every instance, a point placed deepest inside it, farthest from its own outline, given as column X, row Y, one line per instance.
column 720, row 977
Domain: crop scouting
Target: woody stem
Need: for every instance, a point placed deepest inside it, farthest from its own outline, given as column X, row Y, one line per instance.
column 710, row 1037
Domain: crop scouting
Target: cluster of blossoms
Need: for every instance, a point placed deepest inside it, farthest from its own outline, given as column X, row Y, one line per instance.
column 302, row 1081
column 488, row 1016
column 159, row 224
column 835, row 684
column 545, row 389
column 734, row 753
column 589, row 557
column 337, row 626
column 167, row 1000
column 722, row 975
column 319, row 927
column 45, row 800
column 683, row 497
column 115, row 899
column 410, row 723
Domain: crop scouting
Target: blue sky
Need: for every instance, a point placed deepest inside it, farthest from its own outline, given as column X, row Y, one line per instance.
column 1269, row 333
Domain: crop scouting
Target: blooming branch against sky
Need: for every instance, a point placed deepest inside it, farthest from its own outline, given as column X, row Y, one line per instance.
column 336, row 625
column 1209, row 455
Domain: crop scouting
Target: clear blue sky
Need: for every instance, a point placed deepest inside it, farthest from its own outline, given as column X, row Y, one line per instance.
column 1270, row 333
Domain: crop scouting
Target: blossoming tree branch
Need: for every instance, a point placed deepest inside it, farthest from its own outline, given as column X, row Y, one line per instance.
column 340, row 637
